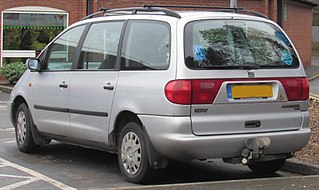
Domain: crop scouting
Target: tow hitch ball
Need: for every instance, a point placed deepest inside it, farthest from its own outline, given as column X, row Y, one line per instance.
column 255, row 149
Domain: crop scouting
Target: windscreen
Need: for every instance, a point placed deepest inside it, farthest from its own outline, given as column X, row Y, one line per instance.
column 237, row 44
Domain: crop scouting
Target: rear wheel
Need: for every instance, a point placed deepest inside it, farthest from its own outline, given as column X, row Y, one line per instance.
column 267, row 166
column 23, row 133
column 132, row 154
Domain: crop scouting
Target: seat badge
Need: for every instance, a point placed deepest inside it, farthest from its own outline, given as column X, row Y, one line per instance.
column 250, row 73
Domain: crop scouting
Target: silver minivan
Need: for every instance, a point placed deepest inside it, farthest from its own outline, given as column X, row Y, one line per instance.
column 154, row 85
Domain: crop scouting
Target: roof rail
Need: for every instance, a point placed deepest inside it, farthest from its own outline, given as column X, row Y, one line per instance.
column 213, row 8
column 191, row 7
column 168, row 12
column 134, row 10
column 101, row 11
column 254, row 13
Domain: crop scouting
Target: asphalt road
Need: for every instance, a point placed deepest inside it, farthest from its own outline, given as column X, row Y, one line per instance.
column 62, row 166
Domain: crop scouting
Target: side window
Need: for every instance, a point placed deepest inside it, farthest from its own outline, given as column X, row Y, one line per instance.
column 100, row 47
column 146, row 46
column 61, row 52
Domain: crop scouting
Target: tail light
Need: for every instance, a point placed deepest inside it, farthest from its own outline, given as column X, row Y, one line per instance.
column 187, row 92
column 296, row 88
column 179, row 91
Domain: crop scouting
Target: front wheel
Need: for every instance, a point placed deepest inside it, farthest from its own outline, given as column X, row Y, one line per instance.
column 23, row 132
column 267, row 166
column 132, row 154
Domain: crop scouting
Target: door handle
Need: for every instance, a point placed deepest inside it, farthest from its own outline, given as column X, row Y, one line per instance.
column 63, row 85
column 108, row 86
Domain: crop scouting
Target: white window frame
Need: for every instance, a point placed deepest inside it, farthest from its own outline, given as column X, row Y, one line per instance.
column 26, row 10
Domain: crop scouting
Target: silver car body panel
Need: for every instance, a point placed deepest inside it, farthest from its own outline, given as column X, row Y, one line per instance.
column 47, row 93
column 87, row 94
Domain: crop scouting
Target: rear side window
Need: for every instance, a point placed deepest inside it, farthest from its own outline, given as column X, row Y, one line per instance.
column 237, row 44
column 146, row 46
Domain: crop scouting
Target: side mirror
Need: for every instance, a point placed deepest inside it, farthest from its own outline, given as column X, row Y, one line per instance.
column 33, row 64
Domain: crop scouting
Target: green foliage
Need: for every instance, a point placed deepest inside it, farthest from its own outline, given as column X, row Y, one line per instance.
column 13, row 71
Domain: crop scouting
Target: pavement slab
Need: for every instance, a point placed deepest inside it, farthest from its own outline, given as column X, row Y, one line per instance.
column 314, row 86
column 283, row 183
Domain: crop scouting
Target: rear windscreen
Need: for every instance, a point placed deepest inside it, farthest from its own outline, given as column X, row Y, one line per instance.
column 237, row 44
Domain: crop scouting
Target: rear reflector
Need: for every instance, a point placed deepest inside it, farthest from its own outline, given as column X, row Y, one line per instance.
column 205, row 91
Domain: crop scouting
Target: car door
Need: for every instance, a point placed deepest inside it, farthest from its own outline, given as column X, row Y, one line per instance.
column 51, row 85
column 93, row 85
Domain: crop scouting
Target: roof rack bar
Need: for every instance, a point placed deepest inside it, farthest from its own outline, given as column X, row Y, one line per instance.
column 134, row 10
column 192, row 7
column 168, row 12
column 146, row 9
column 215, row 8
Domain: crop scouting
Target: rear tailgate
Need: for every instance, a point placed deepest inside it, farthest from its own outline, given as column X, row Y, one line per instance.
column 249, row 106
column 244, row 77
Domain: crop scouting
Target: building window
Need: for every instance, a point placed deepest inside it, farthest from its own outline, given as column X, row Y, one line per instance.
column 24, row 32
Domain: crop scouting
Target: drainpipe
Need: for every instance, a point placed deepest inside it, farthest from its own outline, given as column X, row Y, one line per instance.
column 88, row 7
column 280, row 12
column 233, row 3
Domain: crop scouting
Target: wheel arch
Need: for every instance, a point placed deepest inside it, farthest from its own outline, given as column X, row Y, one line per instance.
column 37, row 138
column 156, row 161
column 16, row 103
column 121, row 119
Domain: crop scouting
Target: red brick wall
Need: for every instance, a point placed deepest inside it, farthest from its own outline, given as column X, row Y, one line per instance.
column 298, row 26
column 76, row 9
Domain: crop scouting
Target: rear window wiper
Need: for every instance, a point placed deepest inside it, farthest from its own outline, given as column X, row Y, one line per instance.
column 248, row 67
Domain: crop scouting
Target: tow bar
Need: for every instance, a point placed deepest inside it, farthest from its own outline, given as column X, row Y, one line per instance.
column 255, row 149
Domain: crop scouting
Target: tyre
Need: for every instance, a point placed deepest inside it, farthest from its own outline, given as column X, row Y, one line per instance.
column 132, row 154
column 267, row 166
column 23, row 132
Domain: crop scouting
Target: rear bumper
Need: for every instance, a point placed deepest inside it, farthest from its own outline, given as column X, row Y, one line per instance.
column 172, row 138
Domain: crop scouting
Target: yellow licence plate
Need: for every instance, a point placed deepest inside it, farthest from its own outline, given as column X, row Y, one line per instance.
column 250, row 91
